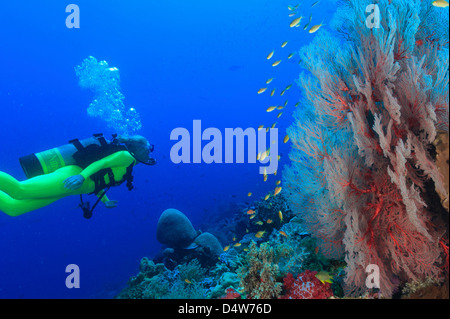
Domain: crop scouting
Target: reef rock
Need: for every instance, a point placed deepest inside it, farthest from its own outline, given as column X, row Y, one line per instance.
column 174, row 229
column 208, row 240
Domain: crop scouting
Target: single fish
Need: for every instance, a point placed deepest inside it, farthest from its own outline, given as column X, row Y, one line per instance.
column 271, row 108
column 267, row 197
column 269, row 80
column 315, row 3
column 260, row 234
column 284, row 44
column 295, row 22
column 324, row 277
column 278, row 182
column 262, row 90
column 283, row 233
column 280, row 215
column 250, row 212
column 290, row 55
column 269, row 221
column 276, row 63
column 279, row 114
column 249, row 194
column 270, row 55
column 237, row 244
column 259, row 223
column 277, row 190
column 286, row 138
column 315, row 28
column 440, row 3
column 272, row 93
column 226, row 248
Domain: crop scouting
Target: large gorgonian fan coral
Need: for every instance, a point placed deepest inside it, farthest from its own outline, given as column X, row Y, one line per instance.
column 363, row 173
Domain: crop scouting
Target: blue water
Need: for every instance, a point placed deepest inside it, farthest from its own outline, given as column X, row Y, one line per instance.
column 178, row 61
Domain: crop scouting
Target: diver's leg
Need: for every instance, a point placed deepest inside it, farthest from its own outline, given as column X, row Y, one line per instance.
column 14, row 207
column 42, row 186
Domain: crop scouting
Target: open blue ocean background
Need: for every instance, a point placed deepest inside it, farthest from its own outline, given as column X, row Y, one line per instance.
column 178, row 61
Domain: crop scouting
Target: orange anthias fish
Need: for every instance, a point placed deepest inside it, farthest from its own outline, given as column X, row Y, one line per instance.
column 250, row 212
column 260, row 234
column 283, row 233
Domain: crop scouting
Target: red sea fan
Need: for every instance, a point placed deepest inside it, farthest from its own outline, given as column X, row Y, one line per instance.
column 363, row 174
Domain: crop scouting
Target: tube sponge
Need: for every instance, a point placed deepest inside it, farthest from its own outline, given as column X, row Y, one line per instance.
column 108, row 104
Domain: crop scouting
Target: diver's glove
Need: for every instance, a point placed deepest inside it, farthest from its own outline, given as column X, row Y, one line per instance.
column 74, row 182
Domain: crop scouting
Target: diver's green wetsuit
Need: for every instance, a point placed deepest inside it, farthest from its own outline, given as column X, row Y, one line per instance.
column 17, row 198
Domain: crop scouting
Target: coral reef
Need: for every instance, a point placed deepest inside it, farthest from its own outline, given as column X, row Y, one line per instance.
column 374, row 101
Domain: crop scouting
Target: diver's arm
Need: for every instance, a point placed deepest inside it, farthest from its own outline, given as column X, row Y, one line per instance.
column 122, row 158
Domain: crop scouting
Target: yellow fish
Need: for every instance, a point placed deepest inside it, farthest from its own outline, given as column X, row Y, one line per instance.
column 279, row 114
column 272, row 93
column 258, row 157
column 226, row 248
column 260, row 233
column 249, row 194
column 269, row 221
column 270, row 55
column 284, row 44
column 245, row 249
column 324, row 277
column 267, row 197
column 280, row 215
column 269, row 80
column 252, row 216
column 282, row 92
column 440, row 3
column 288, row 87
column 277, row 190
column 280, row 107
column 283, row 233
column 278, row 183
column 237, row 244
column 315, row 28
column 276, row 63
column 262, row 90
column 187, row 281
column 286, row 138
column 234, row 238
column 295, row 22
column 271, row 108
column 273, row 125
column 265, row 177
column 290, row 55
column 263, row 156
column 259, row 223
column 260, row 127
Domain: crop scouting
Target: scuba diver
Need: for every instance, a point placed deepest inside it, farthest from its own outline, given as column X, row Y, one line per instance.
column 89, row 166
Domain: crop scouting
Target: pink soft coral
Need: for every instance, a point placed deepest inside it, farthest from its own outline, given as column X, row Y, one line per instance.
column 306, row 286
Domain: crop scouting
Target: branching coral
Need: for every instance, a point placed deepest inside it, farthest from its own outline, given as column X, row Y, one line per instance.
column 258, row 276
column 361, row 159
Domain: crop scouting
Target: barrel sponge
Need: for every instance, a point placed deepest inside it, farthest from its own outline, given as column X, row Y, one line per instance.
column 208, row 240
column 174, row 229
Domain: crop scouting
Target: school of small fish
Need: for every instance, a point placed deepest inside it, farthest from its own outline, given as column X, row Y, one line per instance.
column 295, row 21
